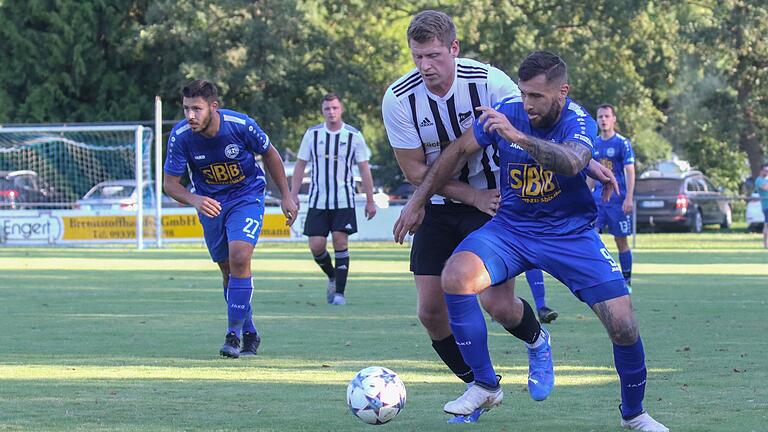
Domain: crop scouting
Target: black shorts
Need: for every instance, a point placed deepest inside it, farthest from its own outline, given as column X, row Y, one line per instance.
column 320, row 222
column 443, row 228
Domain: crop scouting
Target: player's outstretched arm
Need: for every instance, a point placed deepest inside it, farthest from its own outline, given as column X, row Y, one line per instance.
column 174, row 189
column 414, row 167
column 567, row 158
column 438, row 174
column 274, row 164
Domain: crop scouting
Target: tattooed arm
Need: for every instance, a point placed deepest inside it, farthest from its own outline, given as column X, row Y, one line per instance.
column 567, row 158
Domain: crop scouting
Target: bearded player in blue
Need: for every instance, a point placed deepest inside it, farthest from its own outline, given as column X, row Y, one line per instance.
column 544, row 221
column 614, row 151
column 218, row 146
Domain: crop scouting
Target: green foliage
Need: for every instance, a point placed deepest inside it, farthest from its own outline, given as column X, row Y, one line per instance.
column 688, row 77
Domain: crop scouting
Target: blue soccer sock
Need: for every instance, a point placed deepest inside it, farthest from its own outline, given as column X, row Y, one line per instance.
column 248, row 326
column 468, row 325
column 630, row 364
column 239, row 294
column 535, row 280
column 625, row 259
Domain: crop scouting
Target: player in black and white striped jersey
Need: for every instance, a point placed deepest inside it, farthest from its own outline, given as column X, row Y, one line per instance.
column 332, row 149
column 424, row 111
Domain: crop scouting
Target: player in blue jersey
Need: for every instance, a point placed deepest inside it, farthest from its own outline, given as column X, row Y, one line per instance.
column 614, row 151
column 544, row 220
column 217, row 147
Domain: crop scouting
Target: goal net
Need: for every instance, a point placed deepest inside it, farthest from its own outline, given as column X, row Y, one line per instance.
column 54, row 167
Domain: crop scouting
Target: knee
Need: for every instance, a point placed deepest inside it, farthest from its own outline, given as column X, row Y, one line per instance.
column 432, row 318
column 624, row 332
column 456, row 280
column 239, row 261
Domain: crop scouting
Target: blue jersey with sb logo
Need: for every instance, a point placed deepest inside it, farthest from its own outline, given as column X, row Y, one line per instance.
column 533, row 199
column 222, row 167
column 613, row 153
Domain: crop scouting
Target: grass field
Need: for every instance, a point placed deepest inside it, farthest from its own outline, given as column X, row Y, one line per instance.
column 123, row 340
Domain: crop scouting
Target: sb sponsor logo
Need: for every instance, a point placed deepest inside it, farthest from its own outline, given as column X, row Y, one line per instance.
column 532, row 183
column 223, row 173
column 608, row 163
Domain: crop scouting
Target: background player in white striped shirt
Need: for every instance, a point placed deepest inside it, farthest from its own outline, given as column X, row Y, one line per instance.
column 333, row 148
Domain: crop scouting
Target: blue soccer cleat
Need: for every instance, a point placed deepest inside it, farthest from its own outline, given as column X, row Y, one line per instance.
column 541, row 372
column 472, row 418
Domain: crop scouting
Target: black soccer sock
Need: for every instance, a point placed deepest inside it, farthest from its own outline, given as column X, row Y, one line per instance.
column 529, row 328
column 451, row 356
column 342, row 270
column 324, row 261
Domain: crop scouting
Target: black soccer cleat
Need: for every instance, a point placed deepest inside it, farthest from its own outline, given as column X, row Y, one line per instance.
column 231, row 347
column 251, row 342
column 547, row 315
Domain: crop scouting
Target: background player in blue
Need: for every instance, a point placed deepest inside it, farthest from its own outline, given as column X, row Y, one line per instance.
column 614, row 151
column 217, row 146
column 545, row 220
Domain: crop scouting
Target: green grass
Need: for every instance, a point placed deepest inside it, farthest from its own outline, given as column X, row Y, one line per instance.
column 109, row 339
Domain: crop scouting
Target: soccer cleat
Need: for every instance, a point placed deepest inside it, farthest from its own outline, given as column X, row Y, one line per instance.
column 541, row 372
column 547, row 315
column 472, row 418
column 331, row 291
column 339, row 300
column 251, row 343
column 643, row 422
column 231, row 347
column 476, row 397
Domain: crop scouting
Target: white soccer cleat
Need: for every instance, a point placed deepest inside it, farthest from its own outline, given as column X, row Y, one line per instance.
column 475, row 397
column 644, row 422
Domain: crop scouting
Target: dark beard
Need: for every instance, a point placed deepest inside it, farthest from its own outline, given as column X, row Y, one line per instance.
column 549, row 120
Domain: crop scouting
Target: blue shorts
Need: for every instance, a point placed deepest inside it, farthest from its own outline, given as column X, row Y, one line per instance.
column 619, row 224
column 239, row 220
column 580, row 261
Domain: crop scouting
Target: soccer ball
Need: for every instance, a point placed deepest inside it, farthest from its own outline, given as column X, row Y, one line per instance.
column 375, row 395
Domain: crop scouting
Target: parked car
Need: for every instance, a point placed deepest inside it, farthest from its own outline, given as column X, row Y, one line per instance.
column 754, row 213
column 25, row 189
column 686, row 200
column 121, row 195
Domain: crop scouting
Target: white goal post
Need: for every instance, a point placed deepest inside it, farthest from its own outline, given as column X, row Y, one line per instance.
column 53, row 167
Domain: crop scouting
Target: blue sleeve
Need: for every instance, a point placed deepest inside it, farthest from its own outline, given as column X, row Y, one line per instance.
column 629, row 154
column 581, row 130
column 483, row 138
column 255, row 138
column 175, row 160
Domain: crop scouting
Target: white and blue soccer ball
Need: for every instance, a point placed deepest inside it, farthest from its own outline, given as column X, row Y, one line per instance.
column 376, row 395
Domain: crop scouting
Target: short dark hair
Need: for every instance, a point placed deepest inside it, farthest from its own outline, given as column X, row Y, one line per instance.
column 432, row 24
column 331, row 96
column 202, row 88
column 607, row 106
column 543, row 62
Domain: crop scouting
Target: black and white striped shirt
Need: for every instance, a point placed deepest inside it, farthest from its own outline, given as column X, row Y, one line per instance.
column 332, row 157
column 414, row 117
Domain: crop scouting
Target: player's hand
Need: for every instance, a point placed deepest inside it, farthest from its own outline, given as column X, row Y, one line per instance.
column 205, row 205
column 410, row 218
column 487, row 201
column 290, row 210
column 370, row 210
column 494, row 121
column 628, row 205
column 605, row 176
